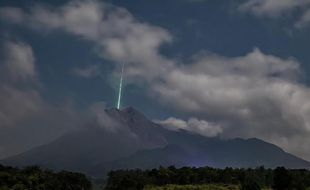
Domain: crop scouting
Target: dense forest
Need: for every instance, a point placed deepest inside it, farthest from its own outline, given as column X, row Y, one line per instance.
column 246, row 179
column 35, row 178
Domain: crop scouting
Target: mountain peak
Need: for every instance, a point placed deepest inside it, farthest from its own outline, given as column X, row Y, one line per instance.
column 131, row 110
column 113, row 112
column 128, row 114
column 134, row 115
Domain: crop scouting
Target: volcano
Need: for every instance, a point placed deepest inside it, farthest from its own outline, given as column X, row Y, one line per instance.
column 128, row 139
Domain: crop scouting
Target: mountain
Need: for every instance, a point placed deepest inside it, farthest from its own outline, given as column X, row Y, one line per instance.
column 127, row 139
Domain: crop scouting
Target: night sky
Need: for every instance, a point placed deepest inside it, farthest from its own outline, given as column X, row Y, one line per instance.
column 224, row 68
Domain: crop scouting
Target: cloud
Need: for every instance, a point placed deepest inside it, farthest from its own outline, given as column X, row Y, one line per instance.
column 26, row 118
column 118, row 35
column 99, row 112
column 254, row 95
column 304, row 21
column 17, row 104
column 276, row 9
column 219, row 80
column 87, row 72
column 19, row 61
column 13, row 14
column 194, row 125
column 272, row 8
column 18, row 66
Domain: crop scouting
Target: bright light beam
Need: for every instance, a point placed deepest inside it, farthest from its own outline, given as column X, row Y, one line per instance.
column 120, row 88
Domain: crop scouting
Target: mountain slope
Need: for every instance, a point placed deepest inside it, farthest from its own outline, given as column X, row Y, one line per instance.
column 136, row 142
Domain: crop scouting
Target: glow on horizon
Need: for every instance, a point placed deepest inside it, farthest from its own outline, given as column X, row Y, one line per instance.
column 120, row 88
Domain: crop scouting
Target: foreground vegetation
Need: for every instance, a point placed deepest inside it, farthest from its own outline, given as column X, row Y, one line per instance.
column 204, row 178
column 34, row 178
column 193, row 187
column 171, row 178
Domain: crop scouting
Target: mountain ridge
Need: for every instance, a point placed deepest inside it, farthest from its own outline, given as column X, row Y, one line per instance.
column 140, row 143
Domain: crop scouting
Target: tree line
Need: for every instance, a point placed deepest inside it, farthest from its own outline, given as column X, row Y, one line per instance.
column 248, row 179
column 35, row 178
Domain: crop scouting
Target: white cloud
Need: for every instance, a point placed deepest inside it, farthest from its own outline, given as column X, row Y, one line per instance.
column 19, row 61
column 193, row 124
column 115, row 31
column 279, row 8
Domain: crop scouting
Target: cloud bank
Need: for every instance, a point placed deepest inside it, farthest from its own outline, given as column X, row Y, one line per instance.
column 26, row 118
column 118, row 35
column 253, row 95
column 276, row 9
column 18, row 67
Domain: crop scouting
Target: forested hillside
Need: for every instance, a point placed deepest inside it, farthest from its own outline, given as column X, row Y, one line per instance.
column 35, row 178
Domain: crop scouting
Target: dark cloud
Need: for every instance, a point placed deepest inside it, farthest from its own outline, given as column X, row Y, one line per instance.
column 26, row 118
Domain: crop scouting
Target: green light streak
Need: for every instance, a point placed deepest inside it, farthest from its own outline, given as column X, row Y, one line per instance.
column 120, row 89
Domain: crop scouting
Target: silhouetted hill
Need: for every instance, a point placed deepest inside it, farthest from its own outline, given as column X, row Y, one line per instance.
column 129, row 140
